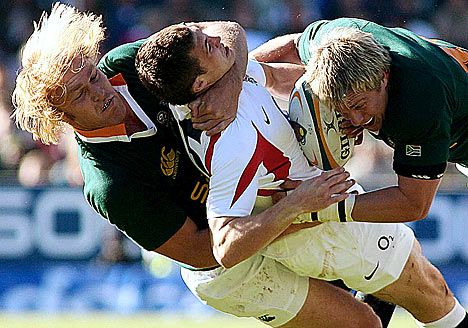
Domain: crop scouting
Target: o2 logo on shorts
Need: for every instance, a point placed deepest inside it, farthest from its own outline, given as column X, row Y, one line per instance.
column 385, row 242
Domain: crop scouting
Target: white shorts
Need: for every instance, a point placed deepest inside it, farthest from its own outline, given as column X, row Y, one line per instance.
column 366, row 256
column 258, row 287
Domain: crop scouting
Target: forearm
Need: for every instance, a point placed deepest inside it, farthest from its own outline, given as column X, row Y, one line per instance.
column 281, row 49
column 395, row 204
column 236, row 239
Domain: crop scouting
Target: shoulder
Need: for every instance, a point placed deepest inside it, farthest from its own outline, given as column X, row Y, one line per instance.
column 120, row 58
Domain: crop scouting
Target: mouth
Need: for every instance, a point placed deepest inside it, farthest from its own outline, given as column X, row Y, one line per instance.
column 369, row 123
column 107, row 104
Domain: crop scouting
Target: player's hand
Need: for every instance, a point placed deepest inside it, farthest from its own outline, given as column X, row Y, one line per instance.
column 211, row 116
column 320, row 192
column 215, row 109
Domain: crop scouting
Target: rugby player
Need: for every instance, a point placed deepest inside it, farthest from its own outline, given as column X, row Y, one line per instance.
column 136, row 172
column 255, row 154
column 408, row 91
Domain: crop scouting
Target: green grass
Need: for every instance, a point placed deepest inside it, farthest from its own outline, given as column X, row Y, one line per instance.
column 400, row 320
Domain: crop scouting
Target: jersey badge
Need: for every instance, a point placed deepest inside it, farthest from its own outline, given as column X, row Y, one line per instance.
column 169, row 162
column 413, row 150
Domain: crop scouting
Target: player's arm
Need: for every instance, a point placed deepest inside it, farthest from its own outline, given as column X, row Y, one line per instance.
column 214, row 110
column 280, row 49
column 189, row 245
column 280, row 78
column 410, row 200
column 237, row 238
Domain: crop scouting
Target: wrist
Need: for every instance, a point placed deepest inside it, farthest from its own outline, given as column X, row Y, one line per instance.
column 338, row 212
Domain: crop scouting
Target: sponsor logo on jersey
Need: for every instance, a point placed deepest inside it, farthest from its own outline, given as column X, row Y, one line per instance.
column 200, row 191
column 267, row 119
column 413, row 150
column 267, row 317
column 169, row 162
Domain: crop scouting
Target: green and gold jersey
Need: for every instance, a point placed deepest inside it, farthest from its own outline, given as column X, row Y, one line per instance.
column 426, row 121
column 144, row 184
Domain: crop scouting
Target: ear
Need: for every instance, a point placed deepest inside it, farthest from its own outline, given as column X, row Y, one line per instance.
column 199, row 84
column 385, row 79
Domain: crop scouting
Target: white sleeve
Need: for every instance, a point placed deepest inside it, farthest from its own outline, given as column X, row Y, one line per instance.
column 255, row 70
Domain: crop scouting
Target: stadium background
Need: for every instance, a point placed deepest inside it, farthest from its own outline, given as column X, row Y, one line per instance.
column 61, row 265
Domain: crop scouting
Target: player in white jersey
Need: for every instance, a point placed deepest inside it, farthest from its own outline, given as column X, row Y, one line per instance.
column 249, row 160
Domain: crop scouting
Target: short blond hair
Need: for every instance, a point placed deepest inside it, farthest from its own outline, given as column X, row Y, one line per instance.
column 346, row 60
column 57, row 39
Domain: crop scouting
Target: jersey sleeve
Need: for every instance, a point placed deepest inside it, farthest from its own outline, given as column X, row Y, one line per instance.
column 234, row 167
column 421, row 125
column 426, row 161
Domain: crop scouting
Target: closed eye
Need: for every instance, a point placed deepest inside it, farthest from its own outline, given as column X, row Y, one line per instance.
column 95, row 77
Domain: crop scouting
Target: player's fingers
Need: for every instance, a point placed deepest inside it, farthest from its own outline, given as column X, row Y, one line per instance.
column 328, row 174
column 290, row 184
column 338, row 178
column 221, row 126
column 195, row 108
column 341, row 187
column 338, row 197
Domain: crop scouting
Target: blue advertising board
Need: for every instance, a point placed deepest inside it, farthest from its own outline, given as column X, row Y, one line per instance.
column 49, row 238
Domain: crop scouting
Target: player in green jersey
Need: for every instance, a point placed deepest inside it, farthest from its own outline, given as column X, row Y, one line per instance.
column 410, row 92
column 135, row 170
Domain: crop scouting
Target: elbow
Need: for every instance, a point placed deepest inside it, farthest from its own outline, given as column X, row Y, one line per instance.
column 224, row 257
column 418, row 212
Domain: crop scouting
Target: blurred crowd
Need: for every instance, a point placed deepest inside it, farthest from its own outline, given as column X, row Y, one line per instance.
column 29, row 163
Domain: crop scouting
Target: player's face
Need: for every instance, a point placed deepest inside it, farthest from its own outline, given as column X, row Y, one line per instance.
column 215, row 58
column 89, row 101
column 366, row 109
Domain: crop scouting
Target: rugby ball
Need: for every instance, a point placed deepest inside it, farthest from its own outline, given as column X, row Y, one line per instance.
column 316, row 129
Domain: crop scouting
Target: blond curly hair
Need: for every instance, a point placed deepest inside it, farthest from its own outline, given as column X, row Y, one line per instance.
column 57, row 39
column 346, row 60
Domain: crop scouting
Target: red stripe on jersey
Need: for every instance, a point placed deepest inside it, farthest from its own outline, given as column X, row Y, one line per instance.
column 209, row 151
column 272, row 158
column 117, row 80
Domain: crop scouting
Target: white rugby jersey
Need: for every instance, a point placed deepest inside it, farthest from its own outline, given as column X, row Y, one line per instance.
column 251, row 158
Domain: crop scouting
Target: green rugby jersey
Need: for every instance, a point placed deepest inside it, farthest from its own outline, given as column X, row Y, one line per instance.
column 147, row 185
column 426, row 121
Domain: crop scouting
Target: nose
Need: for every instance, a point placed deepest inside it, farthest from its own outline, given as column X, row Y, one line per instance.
column 97, row 93
column 356, row 117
